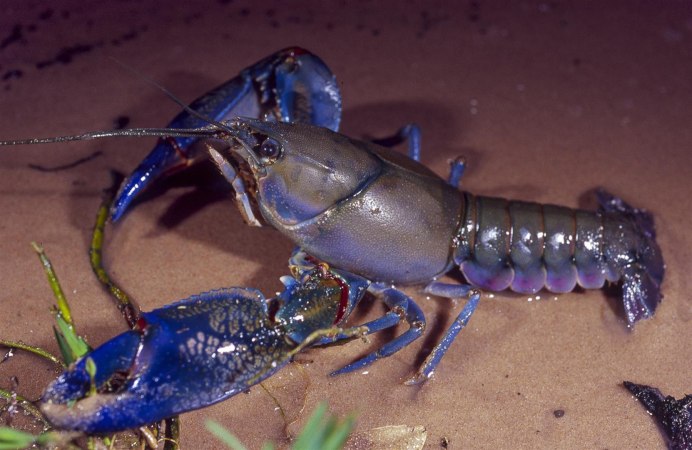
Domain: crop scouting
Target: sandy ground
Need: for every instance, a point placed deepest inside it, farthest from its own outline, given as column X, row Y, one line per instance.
column 547, row 100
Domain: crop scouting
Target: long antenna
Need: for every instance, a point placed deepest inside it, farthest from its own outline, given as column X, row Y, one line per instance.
column 208, row 131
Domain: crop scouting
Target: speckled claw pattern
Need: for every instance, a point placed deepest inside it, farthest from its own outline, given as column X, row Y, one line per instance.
column 291, row 85
column 200, row 351
column 674, row 416
column 184, row 356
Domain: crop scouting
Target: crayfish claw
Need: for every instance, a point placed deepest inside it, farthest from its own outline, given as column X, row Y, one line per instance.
column 291, row 85
column 184, row 356
column 204, row 349
column 112, row 358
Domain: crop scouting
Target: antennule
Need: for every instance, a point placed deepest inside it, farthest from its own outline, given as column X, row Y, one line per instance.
column 169, row 94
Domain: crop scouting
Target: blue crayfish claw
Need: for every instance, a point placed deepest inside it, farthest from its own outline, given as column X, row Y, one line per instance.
column 184, row 356
column 202, row 350
column 291, row 85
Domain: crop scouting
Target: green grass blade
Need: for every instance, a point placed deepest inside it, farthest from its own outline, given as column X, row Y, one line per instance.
column 63, row 307
column 91, row 370
column 11, row 439
column 314, row 430
column 71, row 346
column 76, row 345
column 65, row 351
column 224, row 435
column 24, row 403
column 323, row 431
column 337, row 437
column 33, row 349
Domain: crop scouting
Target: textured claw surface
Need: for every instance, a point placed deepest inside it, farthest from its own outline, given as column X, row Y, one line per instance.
column 187, row 355
column 201, row 350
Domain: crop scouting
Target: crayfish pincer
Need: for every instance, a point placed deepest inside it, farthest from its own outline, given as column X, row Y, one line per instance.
column 290, row 85
column 202, row 350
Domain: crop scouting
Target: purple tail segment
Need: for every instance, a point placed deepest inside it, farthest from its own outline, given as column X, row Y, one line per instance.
column 639, row 266
column 526, row 247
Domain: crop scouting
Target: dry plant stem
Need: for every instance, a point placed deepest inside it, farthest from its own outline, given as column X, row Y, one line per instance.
column 63, row 308
column 126, row 306
column 172, row 436
column 24, row 403
column 305, row 375
column 276, row 402
column 148, row 437
column 35, row 350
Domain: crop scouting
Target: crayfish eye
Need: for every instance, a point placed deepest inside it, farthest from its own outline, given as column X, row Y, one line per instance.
column 269, row 150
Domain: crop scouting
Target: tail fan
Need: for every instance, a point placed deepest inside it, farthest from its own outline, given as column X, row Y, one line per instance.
column 641, row 274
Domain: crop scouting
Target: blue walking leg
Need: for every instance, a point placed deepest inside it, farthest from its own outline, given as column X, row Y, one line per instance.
column 456, row 171
column 405, row 308
column 391, row 319
column 410, row 133
column 449, row 291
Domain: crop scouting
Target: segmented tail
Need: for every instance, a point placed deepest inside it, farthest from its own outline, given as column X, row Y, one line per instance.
column 634, row 253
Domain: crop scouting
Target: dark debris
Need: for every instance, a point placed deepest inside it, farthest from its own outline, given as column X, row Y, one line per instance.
column 121, row 122
column 46, row 14
column 12, row 73
column 674, row 416
column 8, row 355
column 15, row 35
column 67, row 166
column 65, row 55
